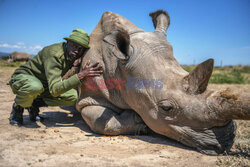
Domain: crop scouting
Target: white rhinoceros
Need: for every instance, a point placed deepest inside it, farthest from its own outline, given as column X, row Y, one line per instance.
column 143, row 84
column 19, row 56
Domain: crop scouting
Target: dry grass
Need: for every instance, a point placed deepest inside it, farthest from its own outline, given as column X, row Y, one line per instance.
column 239, row 154
column 4, row 63
column 228, row 74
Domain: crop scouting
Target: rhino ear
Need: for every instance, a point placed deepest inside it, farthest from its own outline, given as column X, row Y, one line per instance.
column 197, row 80
column 161, row 22
column 121, row 41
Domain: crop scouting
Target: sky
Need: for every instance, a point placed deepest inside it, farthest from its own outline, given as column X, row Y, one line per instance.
column 199, row 29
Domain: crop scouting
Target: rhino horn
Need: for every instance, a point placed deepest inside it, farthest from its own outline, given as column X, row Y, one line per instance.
column 197, row 80
column 229, row 104
column 161, row 22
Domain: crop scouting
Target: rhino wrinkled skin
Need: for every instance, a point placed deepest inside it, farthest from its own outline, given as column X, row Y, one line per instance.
column 177, row 104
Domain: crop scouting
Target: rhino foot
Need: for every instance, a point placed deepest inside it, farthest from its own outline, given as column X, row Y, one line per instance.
column 103, row 120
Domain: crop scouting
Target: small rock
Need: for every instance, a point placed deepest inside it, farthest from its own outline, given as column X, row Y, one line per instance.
column 56, row 130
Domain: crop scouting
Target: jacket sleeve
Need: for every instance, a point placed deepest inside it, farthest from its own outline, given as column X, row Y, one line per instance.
column 53, row 69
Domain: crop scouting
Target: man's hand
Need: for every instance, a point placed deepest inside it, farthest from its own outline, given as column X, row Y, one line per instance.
column 77, row 62
column 90, row 71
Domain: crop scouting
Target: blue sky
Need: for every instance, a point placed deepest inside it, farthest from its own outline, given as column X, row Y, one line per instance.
column 199, row 29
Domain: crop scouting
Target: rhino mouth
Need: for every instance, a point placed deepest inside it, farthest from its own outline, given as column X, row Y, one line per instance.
column 212, row 141
column 222, row 139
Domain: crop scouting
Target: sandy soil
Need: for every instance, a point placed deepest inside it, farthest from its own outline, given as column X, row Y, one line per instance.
column 64, row 139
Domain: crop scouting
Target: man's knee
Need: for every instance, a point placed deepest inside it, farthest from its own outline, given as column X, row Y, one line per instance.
column 26, row 84
column 35, row 88
column 68, row 98
column 70, row 95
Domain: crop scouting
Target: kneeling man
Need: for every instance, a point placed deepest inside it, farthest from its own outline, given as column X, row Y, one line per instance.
column 39, row 82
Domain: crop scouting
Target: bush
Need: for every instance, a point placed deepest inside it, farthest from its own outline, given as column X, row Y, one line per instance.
column 4, row 63
column 234, row 77
column 188, row 68
column 227, row 74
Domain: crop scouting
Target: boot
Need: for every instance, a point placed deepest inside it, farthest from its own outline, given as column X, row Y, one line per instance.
column 16, row 115
column 34, row 110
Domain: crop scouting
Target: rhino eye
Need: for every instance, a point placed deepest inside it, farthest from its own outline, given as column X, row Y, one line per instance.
column 167, row 112
column 165, row 105
column 166, row 108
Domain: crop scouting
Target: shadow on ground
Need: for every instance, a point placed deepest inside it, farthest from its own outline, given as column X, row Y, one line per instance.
column 59, row 119
column 74, row 119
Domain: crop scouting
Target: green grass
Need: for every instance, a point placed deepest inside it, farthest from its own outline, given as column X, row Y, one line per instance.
column 221, row 75
column 4, row 63
column 231, row 77
column 227, row 74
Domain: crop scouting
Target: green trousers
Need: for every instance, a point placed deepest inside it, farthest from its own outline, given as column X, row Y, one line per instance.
column 28, row 87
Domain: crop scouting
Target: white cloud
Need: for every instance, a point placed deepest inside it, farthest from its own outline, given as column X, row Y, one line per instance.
column 16, row 46
column 34, row 49
column 20, row 43
column 5, row 45
column 38, row 47
column 20, row 46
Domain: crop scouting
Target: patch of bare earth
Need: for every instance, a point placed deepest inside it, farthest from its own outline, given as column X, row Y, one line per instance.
column 240, row 152
column 64, row 139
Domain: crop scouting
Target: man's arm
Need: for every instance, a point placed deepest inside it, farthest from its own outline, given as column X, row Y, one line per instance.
column 57, row 85
column 53, row 69
column 71, row 72
column 74, row 70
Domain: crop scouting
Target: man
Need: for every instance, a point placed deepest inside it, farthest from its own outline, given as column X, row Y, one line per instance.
column 39, row 82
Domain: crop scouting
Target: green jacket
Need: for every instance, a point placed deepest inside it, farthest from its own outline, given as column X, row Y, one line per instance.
column 49, row 65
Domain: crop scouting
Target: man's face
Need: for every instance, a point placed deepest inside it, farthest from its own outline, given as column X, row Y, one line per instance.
column 74, row 50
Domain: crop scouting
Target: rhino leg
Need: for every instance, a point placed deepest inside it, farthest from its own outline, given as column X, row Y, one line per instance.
column 106, row 121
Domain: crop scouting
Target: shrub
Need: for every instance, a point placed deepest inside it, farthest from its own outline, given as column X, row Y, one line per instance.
column 234, row 77
column 227, row 74
column 4, row 63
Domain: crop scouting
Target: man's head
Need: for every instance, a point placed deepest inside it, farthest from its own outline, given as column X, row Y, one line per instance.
column 77, row 43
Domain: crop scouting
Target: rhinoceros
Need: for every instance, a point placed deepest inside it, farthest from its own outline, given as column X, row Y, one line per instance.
column 19, row 56
column 143, row 86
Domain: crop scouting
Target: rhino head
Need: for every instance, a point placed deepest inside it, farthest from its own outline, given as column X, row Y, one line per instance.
column 171, row 101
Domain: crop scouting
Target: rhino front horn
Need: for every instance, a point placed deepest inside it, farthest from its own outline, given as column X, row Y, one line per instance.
column 197, row 80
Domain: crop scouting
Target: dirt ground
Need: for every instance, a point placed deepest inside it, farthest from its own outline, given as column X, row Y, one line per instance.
column 64, row 139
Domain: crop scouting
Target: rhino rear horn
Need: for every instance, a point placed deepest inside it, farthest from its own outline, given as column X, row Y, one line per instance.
column 197, row 80
column 161, row 22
